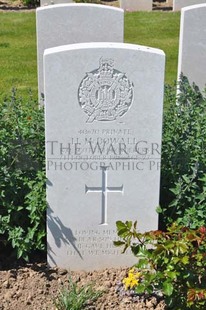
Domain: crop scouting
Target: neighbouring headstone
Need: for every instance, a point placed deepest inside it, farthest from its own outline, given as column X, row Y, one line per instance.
column 103, row 139
column 136, row 5
column 179, row 4
column 75, row 23
column 192, row 46
column 51, row 2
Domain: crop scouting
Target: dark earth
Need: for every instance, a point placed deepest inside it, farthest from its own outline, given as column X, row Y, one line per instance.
column 35, row 286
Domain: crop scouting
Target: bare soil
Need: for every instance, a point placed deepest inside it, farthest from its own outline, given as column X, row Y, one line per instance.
column 35, row 287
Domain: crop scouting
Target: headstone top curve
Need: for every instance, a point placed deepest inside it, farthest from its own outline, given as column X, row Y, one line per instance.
column 71, row 23
column 192, row 7
column 80, row 5
column 106, row 45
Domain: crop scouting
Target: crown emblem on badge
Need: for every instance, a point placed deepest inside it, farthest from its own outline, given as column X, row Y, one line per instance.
column 106, row 67
column 105, row 94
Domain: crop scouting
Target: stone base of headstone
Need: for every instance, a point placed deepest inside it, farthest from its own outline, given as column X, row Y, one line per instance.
column 51, row 2
column 136, row 5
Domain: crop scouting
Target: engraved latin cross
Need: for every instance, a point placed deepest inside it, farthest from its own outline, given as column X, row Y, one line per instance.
column 104, row 189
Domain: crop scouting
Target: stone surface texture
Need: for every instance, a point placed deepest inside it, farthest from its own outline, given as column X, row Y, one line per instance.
column 136, row 5
column 104, row 115
column 192, row 46
column 75, row 23
column 179, row 4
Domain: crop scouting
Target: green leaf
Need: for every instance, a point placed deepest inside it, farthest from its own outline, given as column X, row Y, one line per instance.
column 119, row 243
column 120, row 225
column 150, row 289
column 172, row 274
column 135, row 249
column 160, row 248
column 129, row 224
column 19, row 253
column 142, row 263
column 185, row 260
column 123, row 232
column 140, row 289
column 167, row 288
column 159, row 210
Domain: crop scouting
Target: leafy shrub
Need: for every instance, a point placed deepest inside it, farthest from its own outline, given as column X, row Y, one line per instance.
column 172, row 263
column 22, row 176
column 183, row 171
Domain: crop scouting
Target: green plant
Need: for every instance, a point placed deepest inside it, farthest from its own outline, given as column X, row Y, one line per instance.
column 171, row 262
column 183, row 168
column 32, row 3
column 76, row 298
column 22, row 176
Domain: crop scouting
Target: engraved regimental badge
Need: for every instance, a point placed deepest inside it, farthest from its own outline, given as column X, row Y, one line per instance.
column 105, row 94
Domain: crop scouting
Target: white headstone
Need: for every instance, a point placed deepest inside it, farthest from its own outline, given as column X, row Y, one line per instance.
column 136, row 5
column 179, row 4
column 75, row 23
column 51, row 2
column 192, row 46
column 103, row 137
